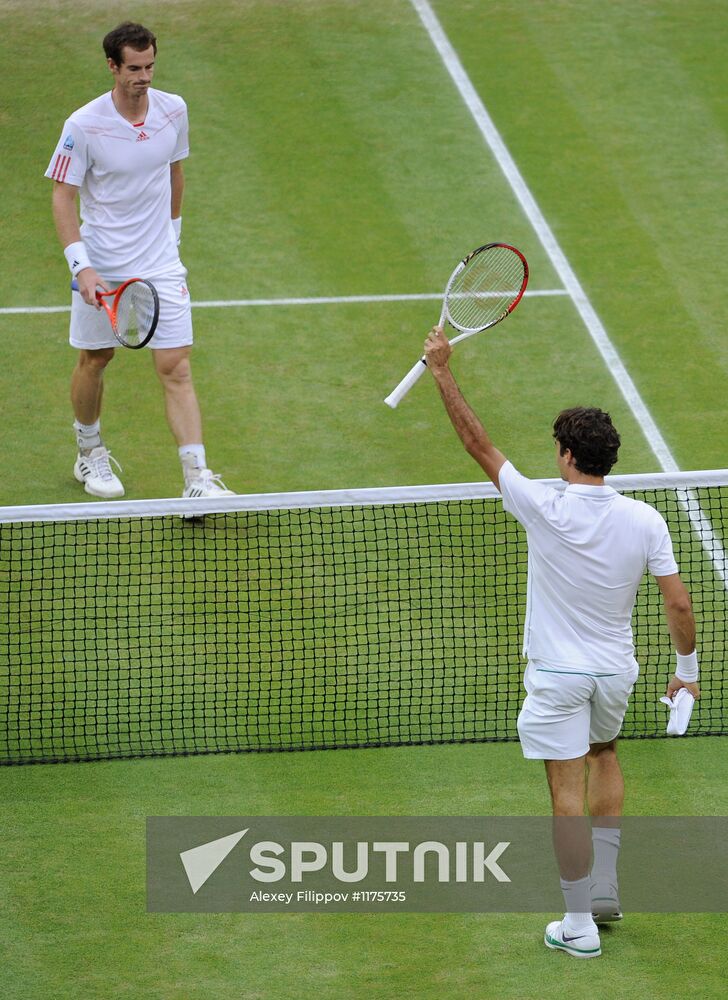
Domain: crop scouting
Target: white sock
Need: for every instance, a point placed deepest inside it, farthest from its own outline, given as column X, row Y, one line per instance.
column 606, row 841
column 193, row 459
column 580, row 922
column 577, row 900
column 88, row 436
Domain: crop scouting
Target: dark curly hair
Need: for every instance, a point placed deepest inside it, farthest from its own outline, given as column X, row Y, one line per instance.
column 590, row 436
column 136, row 36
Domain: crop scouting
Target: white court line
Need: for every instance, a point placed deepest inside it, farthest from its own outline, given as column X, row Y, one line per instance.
column 321, row 300
column 597, row 332
column 543, row 231
column 599, row 335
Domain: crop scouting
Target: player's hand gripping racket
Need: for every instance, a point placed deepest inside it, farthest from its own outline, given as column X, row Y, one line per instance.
column 133, row 311
column 483, row 289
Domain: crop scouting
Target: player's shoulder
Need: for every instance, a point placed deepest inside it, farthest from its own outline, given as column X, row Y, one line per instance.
column 96, row 111
column 512, row 474
column 634, row 504
column 638, row 509
column 171, row 105
column 513, row 485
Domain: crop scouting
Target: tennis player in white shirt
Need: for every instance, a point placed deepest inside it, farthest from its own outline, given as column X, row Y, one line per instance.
column 588, row 549
column 121, row 155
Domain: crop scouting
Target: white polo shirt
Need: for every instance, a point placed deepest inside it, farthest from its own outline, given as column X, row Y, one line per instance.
column 122, row 170
column 588, row 548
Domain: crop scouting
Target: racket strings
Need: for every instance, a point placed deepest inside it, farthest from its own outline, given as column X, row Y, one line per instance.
column 485, row 288
column 135, row 312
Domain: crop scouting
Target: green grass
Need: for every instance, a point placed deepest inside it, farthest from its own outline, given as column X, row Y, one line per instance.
column 292, row 399
column 625, row 149
column 332, row 156
column 74, row 883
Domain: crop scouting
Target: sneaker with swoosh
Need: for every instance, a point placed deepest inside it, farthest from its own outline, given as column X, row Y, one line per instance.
column 584, row 945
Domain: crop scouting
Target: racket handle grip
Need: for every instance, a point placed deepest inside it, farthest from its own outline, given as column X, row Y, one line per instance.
column 412, row 376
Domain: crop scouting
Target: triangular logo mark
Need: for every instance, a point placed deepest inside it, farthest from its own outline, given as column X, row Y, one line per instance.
column 200, row 862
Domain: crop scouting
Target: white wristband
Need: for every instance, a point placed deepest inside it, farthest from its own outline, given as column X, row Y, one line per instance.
column 77, row 257
column 687, row 667
column 177, row 226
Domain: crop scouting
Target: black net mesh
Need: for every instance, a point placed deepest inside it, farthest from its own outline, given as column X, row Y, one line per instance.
column 289, row 629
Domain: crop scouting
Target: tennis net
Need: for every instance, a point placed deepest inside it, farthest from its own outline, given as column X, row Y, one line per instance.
column 309, row 620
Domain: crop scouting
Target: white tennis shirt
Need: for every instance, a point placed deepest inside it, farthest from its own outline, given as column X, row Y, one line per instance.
column 122, row 170
column 588, row 549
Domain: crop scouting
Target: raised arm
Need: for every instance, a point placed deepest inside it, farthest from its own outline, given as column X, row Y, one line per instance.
column 681, row 624
column 469, row 428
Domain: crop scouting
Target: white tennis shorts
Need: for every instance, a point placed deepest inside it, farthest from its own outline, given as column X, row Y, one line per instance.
column 91, row 330
column 564, row 712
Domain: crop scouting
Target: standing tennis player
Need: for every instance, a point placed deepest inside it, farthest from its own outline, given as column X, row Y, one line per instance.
column 588, row 548
column 122, row 154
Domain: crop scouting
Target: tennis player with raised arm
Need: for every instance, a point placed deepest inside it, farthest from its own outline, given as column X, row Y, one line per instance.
column 121, row 155
column 588, row 549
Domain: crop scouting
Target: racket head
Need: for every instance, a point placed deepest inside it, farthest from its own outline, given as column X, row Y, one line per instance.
column 485, row 287
column 134, row 312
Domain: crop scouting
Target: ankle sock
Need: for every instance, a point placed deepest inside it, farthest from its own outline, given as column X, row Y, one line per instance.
column 577, row 902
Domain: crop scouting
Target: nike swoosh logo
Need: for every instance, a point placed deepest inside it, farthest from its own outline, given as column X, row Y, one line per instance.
column 564, row 938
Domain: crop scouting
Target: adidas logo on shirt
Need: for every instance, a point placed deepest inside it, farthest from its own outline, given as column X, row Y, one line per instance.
column 142, row 136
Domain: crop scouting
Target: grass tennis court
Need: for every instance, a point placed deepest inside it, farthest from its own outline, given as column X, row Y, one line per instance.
column 333, row 157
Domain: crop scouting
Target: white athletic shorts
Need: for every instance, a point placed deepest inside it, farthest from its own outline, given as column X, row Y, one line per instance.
column 564, row 712
column 91, row 330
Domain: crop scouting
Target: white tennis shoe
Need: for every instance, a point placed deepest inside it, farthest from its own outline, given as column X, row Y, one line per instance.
column 95, row 472
column 605, row 902
column 585, row 944
column 204, row 483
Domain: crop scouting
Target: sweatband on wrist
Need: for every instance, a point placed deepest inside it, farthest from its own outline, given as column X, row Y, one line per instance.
column 177, row 226
column 687, row 667
column 77, row 257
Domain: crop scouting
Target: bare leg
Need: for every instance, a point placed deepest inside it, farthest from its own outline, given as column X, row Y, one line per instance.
column 572, row 837
column 605, row 784
column 182, row 409
column 87, row 387
column 87, row 384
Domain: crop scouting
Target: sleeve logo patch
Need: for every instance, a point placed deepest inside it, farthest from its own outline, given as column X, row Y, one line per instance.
column 68, row 142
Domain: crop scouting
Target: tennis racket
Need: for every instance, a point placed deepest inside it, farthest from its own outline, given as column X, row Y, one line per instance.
column 484, row 288
column 133, row 311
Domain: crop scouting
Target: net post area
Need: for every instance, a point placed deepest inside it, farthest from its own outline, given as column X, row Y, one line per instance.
column 347, row 618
